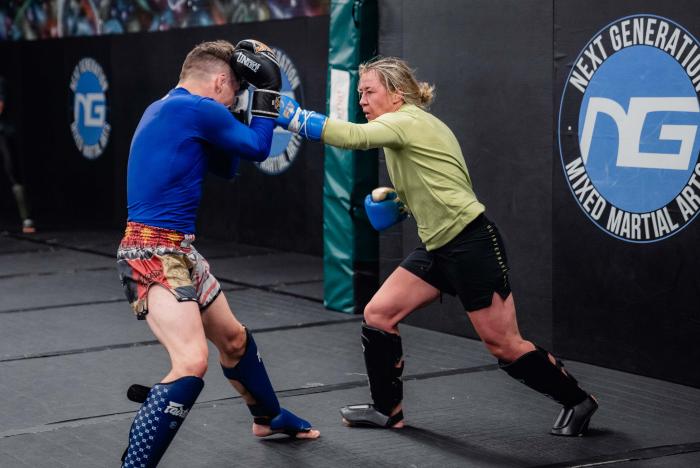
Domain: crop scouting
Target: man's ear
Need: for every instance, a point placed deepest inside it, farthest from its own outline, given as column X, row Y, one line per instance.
column 219, row 82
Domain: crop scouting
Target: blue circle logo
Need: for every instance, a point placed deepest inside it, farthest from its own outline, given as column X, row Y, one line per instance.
column 285, row 144
column 628, row 128
column 90, row 128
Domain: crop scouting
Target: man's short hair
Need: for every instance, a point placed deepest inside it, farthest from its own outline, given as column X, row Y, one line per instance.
column 207, row 58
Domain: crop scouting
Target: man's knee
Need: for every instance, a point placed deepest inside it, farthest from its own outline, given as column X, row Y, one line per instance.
column 233, row 347
column 195, row 363
column 198, row 368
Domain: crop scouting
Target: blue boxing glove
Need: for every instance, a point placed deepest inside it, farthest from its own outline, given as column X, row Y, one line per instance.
column 308, row 124
column 384, row 208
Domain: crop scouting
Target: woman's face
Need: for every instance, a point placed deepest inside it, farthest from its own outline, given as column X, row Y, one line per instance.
column 375, row 99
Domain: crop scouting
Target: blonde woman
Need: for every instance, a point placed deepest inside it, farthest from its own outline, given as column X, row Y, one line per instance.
column 462, row 252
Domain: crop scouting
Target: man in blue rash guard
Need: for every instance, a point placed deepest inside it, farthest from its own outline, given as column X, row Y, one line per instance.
column 167, row 282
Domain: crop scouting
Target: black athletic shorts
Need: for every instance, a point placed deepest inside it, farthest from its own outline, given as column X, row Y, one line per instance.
column 472, row 266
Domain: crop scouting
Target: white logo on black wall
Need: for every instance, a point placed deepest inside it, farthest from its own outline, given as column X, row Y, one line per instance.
column 90, row 128
column 628, row 128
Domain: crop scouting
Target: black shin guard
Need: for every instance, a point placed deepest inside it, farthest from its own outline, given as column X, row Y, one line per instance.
column 535, row 370
column 383, row 358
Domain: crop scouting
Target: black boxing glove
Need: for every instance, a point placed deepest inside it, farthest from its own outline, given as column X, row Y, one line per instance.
column 241, row 106
column 255, row 63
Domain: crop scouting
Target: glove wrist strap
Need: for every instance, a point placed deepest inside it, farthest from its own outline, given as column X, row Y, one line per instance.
column 266, row 103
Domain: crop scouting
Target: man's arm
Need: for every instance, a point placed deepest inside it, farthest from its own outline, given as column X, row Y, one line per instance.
column 254, row 63
column 233, row 138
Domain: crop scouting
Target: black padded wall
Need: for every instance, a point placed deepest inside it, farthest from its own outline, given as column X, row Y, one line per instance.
column 632, row 306
column 282, row 210
column 490, row 62
column 63, row 187
column 500, row 68
column 12, row 73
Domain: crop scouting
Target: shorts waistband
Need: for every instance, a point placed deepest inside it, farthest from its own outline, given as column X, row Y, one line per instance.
column 143, row 234
column 476, row 223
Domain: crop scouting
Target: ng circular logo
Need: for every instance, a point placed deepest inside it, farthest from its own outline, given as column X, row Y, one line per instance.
column 285, row 144
column 628, row 128
column 90, row 128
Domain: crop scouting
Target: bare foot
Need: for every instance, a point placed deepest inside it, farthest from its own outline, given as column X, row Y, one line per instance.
column 399, row 424
column 263, row 431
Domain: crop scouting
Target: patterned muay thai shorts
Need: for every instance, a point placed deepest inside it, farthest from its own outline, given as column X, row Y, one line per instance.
column 150, row 255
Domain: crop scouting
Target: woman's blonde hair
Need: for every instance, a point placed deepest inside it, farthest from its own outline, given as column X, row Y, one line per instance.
column 398, row 78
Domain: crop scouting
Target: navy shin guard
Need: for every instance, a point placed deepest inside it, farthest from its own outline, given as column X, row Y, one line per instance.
column 250, row 372
column 159, row 419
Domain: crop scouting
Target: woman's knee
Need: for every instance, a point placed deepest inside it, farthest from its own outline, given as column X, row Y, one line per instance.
column 497, row 350
column 381, row 315
column 508, row 349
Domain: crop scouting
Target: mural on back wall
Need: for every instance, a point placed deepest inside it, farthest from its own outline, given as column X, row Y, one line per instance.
column 43, row 19
column 628, row 128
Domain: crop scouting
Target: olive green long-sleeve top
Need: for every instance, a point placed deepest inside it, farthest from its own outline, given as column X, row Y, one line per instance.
column 425, row 165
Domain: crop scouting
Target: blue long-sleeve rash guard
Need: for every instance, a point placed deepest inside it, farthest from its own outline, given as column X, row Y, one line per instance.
column 171, row 151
